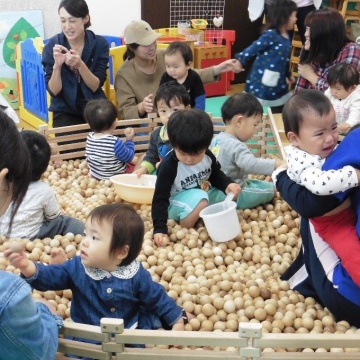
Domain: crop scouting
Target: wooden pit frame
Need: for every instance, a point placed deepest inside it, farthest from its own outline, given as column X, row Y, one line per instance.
column 249, row 341
column 263, row 143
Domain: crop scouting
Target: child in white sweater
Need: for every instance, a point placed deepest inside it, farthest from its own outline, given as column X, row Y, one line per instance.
column 344, row 94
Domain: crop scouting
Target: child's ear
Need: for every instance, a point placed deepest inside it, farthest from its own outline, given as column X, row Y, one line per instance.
column 238, row 120
column 188, row 106
column 293, row 138
column 123, row 252
column 113, row 126
column 353, row 87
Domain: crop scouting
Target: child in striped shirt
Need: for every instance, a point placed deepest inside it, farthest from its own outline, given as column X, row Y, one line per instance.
column 106, row 154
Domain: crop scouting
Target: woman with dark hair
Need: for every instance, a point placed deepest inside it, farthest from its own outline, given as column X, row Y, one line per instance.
column 75, row 63
column 138, row 78
column 14, row 167
column 326, row 45
column 27, row 329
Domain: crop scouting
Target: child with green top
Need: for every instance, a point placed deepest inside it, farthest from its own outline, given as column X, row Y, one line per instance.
column 170, row 97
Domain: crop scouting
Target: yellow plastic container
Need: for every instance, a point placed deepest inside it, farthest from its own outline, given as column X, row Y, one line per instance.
column 199, row 24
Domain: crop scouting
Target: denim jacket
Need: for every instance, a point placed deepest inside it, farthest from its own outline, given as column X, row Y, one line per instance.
column 128, row 293
column 28, row 330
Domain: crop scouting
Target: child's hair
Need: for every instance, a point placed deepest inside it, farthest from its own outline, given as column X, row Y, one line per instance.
column 343, row 74
column 183, row 48
column 100, row 114
column 128, row 228
column 240, row 104
column 172, row 90
column 278, row 13
column 14, row 156
column 76, row 8
column 300, row 104
column 39, row 150
column 190, row 130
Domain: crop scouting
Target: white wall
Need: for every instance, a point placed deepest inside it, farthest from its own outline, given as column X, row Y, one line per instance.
column 108, row 17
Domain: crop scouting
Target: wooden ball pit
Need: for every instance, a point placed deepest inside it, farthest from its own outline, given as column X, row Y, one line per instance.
column 222, row 284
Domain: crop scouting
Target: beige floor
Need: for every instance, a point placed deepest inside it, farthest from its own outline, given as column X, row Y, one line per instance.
column 233, row 89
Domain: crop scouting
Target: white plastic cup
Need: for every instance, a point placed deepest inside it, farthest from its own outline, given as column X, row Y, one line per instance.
column 221, row 221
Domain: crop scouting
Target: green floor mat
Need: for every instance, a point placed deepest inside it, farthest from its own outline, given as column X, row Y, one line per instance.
column 213, row 105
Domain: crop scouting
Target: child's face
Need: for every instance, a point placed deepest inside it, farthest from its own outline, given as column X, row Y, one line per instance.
column 189, row 159
column 292, row 21
column 245, row 127
column 165, row 111
column 338, row 91
column 318, row 135
column 176, row 67
column 95, row 246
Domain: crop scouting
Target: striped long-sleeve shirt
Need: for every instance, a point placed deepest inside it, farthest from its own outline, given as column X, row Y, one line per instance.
column 107, row 155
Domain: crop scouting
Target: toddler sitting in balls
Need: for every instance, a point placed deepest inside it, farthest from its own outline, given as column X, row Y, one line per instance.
column 106, row 279
column 242, row 115
column 105, row 153
column 39, row 214
column 189, row 178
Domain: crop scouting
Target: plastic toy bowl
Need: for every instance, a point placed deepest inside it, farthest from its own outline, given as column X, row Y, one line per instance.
column 199, row 24
column 131, row 188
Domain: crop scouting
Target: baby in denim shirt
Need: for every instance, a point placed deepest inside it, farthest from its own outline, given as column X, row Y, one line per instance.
column 106, row 279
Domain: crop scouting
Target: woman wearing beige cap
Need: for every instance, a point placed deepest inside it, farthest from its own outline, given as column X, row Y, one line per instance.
column 139, row 77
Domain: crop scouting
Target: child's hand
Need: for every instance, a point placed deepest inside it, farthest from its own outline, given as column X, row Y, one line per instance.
column 15, row 253
column 148, row 103
column 160, row 239
column 344, row 128
column 238, row 67
column 129, row 133
column 140, row 171
column 179, row 325
column 280, row 162
column 235, row 188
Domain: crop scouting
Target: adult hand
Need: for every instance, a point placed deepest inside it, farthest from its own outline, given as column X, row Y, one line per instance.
column 148, row 103
column 59, row 53
column 290, row 80
column 228, row 65
column 73, row 59
column 307, row 72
